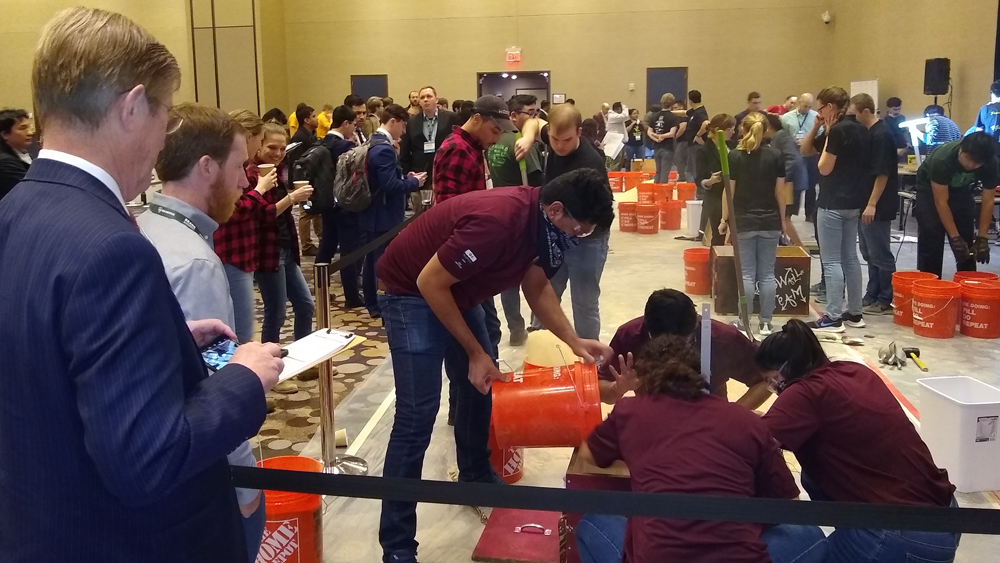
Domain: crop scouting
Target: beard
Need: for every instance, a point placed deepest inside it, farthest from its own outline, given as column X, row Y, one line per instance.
column 222, row 200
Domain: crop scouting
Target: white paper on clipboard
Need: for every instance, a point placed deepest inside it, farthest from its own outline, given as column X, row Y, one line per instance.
column 613, row 144
column 313, row 349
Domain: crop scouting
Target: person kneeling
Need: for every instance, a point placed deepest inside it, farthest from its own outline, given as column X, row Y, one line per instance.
column 675, row 438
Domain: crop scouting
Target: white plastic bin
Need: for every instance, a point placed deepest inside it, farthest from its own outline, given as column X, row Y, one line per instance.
column 693, row 217
column 959, row 421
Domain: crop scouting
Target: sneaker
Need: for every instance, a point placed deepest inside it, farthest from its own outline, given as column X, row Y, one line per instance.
column 518, row 338
column 819, row 298
column 853, row 321
column 818, row 289
column 765, row 328
column 866, row 302
column 877, row 309
column 826, row 324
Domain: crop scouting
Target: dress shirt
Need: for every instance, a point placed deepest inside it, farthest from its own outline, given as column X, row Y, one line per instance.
column 797, row 124
column 88, row 167
column 431, row 126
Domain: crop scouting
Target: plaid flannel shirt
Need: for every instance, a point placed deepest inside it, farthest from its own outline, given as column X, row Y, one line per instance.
column 459, row 166
column 268, row 240
column 236, row 239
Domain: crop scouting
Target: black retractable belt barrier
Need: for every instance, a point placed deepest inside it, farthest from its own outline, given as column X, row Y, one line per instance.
column 678, row 506
column 368, row 247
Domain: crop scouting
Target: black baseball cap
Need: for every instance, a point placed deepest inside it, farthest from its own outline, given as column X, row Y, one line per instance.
column 496, row 110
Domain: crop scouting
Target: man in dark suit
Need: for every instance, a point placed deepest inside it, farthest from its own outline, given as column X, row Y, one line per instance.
column 114, row 438
column 389, row 187
column 15, row 137
column 423, row 137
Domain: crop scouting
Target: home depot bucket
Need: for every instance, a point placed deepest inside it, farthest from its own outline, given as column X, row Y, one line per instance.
column 686, row 191
column 670, row 215
column 647, row 218
column 617, row 181
column 959, row 277
column 547, row 407
column 936, row 304
column 980, row 308
column 663, row 192
column 902, row 295
column 672, row 175
column 632, row 179
column 627, row 221
column 507, row 462
column 697, row 277
column 646, row 193
column 293, row 533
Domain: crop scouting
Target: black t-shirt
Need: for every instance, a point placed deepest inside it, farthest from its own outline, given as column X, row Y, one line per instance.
column 849, row 184
column 662, row 122
column 884, row 163
column 942, row 167
column 696, row 117
column 633, row 133
column 586, row 156
column 755, row 175
column 898, row 135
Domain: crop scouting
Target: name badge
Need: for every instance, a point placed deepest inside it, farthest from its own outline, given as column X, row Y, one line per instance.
column 428, row 147
column 799, row 136
column 638, row 136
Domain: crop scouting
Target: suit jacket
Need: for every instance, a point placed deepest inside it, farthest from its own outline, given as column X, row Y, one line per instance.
column 411, row 146
column 389, row 188
column 12, row 169
column 114, row 439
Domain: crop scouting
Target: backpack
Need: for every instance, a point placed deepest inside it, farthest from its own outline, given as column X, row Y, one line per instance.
column 316, row 167
column 350, row 186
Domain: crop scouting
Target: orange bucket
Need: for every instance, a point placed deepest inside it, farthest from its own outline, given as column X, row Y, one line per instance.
column 670, row 215
column 936, row 304
column 547, row 407
column 294, row 520
column 672, row 175
column 697, row 278
column 632, row 179
column 646, row 193
column 648, row 218
column 981, row 308
column 686, row 191
column 627, row 221
column 902, row 295
column 617, row 181
column 507, row 462
column 648, row 175
column 959, row 277
column 663, row 192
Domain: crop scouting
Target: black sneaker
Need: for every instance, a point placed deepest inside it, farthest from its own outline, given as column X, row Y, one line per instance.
column 518, row 338
column 877, row 309
column 853, row 321
column 826, row 324
column 818, row 289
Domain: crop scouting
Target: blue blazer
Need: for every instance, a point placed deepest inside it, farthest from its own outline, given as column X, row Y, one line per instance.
column 389, row 187
column 113, row 441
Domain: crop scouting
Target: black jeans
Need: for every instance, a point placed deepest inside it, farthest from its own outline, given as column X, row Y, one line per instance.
column 369, row 280
column 931, row 234
column 812, row 170
column 351, row 239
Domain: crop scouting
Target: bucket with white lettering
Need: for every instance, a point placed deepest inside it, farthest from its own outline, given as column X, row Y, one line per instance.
column 697, row 274
column 936, row 305
column 294, row 529
column 507, row 462
column 647, row 218
column 902, row 295
column 627, row 220
column 981, row 308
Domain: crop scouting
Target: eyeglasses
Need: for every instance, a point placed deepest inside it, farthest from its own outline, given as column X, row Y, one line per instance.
column 578, row 231
column 174, row 121
column 530, row 112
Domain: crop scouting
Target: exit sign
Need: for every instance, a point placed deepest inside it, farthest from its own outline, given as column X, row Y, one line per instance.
column 513, row 54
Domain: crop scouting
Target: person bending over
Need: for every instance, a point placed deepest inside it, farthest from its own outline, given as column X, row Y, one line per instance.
column 675, row 438
column 670, row 312
column 854, row 444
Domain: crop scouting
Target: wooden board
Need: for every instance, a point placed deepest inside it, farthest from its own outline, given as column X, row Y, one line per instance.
column 505, row 540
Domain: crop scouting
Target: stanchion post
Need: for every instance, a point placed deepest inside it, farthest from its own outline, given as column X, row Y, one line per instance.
column 326, row 406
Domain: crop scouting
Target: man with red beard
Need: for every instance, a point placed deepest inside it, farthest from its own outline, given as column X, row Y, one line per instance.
column 201, row 166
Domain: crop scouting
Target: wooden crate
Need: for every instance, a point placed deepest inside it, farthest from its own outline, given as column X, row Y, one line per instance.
column 649, row 165
column 580, row 475
column 791, row 271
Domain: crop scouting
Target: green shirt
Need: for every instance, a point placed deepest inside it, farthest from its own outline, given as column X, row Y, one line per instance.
column 504, row 168
column 942, row 167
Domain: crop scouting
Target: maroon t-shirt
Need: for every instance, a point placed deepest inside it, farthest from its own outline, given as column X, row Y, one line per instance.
column 486, row 239
column 852, row 438
column 732, row 353
column 707, row 446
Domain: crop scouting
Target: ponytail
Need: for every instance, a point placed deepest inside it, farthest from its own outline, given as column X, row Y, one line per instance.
column 720, row 122
column 837, row 96
column 752, row 132
column 795, row 348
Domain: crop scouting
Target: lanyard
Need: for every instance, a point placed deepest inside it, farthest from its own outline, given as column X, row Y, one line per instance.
column 802, row 121
column 171, row 214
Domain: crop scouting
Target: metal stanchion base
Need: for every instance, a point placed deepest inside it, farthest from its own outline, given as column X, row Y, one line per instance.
column 347, row 465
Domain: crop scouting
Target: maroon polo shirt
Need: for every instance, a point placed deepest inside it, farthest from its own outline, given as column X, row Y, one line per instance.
column 486, row 239
column 732, row 353
column 853, row 439
column 707, row 446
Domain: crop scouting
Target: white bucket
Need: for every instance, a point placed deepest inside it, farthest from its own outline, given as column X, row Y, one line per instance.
column 693, row 217
column 959, row 422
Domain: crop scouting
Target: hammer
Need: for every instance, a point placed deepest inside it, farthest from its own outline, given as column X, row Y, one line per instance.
column 914, row 354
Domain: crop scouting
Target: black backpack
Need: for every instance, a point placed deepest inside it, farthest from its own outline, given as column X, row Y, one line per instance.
column 351, row 188
column 316, row 167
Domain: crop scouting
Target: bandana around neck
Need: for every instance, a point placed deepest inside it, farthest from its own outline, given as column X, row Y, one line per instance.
column 552, row 242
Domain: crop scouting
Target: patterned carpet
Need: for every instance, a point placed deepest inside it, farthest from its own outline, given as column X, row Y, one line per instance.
column 290, row 427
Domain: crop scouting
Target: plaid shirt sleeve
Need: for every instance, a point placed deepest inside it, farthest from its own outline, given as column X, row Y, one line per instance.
column 458, row 168
column 236, row 240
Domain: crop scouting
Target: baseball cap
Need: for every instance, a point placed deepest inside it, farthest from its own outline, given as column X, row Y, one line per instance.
column 494, row 109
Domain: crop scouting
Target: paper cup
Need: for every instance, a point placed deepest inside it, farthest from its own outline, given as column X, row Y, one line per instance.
column 341, row 438
column 265, row 169
column 300, row 183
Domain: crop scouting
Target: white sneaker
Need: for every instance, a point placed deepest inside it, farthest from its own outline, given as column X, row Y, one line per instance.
column 765, row 328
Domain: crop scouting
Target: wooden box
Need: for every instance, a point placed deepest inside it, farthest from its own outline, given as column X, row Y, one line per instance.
column 791, row 272
column 649, row 165
column 521, row 536
column 581, row 475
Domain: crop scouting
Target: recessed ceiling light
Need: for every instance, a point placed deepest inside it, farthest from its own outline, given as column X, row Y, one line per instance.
column 504, row 75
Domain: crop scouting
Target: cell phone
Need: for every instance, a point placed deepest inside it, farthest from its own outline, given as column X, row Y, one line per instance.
column 217, row 354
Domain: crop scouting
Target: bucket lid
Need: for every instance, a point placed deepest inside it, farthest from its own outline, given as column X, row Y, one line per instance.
column 937, row 286
column 990, row 288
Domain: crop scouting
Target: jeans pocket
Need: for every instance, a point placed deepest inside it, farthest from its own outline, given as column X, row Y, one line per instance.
column 910, row 558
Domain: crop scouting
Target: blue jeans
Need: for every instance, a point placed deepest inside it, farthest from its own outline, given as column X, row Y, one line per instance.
column 349, row 237
column 241, row 291
column 582, row 268
column 419, row 343
column 664, row 162
column 601, row 539
column 838, row 251
column 812, row 173
column 253, row 527
column 637, row 152
column 758, row 252
column 876, row 248
column 278, row 288
column 369, row 281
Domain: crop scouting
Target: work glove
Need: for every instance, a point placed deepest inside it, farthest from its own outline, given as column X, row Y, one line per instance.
column 960, row 248
column 982, row 250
